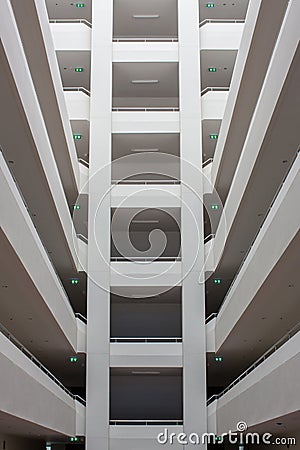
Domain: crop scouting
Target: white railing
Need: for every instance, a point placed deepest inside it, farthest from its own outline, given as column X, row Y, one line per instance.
column 208, row 161
column 221, row 21
column 32, row 358
column 83, row 238
column 77, row 89
column 84, row 162
column 210, row 317
column 146, row 259
column 145, row 108
column 214, row 89
column 86, row 22
column 259, row 361
column 209, row 238
column 145, row 181
column 145, row 339
column 145, row 39
column 145, row 422
column 81, row 317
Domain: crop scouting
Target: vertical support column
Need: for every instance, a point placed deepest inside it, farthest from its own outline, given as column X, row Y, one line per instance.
column 98, row 295
column 193, row 294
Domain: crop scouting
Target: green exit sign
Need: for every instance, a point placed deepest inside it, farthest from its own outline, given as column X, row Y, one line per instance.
column 73, row 359
column 210, row 5
column 80, row 5
column 76, row 206
column 77, row 137
column 74, row 281
column 212, row 69
column 218, row 358
column 214, row 207
column 74, row 439
column 78, row 69
column 217, row 281
column 213, row 136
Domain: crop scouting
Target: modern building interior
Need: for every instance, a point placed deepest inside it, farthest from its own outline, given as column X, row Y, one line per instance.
column 149, row 170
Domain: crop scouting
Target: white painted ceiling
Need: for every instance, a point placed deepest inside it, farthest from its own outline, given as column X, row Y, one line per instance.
column 153, row 293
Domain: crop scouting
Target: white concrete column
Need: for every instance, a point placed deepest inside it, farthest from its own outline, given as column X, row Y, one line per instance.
column 193, row 300
column 98, row 297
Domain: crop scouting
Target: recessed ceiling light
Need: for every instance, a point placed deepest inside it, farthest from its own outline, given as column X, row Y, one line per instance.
column 138, row 150
column 145, row 221
column 144, row 81
column 148, row 372
column 146, row 16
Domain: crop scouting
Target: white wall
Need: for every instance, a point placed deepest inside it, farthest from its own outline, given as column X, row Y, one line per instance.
column 272, row 390
column 78, row 105
column 71, row 36
column 145, row 122
column 155, row 274
column 143, row 52
column 146, row 355
column 213, row 105
column 147, row 196
column 221, row 36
